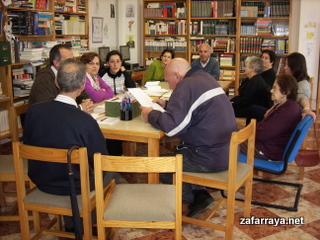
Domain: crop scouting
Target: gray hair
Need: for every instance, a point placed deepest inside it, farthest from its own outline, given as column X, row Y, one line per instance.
column 255, row 62
column 208, row 45
column 71, row 75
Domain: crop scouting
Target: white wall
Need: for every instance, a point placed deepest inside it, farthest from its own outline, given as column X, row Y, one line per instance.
column 309, row 38
column 99, row 8
column 116, row 29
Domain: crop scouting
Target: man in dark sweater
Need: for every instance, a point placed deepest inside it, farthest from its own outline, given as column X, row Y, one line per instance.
column 61, row 124
column 206, row 62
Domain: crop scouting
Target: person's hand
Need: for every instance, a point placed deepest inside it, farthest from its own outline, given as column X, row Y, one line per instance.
column 122, row 68
column 161, row 102
column 309, row 112
column 145, row 112
column 87, row 105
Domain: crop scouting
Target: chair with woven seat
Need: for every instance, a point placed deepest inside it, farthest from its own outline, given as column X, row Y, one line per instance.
column 152, row 206
column 58, row 205
column 7, row 173
column 278, row 168
column 237, row 175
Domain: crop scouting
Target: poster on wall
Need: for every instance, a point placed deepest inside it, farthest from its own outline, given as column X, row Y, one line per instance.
column 130, row 10
column 97, row 29
column 130, row 41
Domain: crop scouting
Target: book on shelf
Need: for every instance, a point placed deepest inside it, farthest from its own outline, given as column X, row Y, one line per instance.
column 4, row 122
column 226, row 59
column 227, row 74
column 41, row 4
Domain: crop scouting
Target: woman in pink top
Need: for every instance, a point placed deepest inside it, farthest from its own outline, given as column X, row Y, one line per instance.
column 95, row 86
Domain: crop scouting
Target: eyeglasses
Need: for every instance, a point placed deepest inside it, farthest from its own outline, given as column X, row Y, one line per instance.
column 92, row 63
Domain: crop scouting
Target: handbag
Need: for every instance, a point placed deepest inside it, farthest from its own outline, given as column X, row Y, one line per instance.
column 308, row 158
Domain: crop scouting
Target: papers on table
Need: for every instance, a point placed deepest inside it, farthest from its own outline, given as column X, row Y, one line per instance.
column 144, row 99
column 152, row 85
column 100, row 116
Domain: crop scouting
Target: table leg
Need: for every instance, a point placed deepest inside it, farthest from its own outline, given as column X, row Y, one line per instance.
column 153, row 151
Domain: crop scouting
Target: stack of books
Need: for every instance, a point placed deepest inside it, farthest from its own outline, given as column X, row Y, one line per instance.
column 226, row 59
column 31, row 54
column 263, row 27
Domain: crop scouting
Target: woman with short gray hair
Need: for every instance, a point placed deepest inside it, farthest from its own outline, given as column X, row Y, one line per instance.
column 253, row 89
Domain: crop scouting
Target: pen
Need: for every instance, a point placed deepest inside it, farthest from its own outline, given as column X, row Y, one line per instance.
column 101, row 120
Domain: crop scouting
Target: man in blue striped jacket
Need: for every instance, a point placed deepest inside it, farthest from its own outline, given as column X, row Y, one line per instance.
column 200, row 113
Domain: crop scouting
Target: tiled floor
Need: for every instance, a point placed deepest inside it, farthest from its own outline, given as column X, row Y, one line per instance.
column 308, row 210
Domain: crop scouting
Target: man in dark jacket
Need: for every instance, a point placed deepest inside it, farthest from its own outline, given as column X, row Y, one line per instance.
column 199, row 112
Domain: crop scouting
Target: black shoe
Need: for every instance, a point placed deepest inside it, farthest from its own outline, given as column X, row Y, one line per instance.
column 202, row 199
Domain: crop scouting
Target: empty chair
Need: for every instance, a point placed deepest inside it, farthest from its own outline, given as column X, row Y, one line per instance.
column 153, row 206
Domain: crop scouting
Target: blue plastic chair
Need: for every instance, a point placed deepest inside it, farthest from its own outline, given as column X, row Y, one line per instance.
column 279, row 168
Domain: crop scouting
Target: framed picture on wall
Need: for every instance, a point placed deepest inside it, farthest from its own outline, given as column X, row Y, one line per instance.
column 97, row 29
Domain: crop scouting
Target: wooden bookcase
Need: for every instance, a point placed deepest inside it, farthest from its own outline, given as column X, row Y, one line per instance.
column 75, row 32
column 223, row 29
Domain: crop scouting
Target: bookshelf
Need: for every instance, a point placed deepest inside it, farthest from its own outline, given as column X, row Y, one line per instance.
column 35, row 26
column 165, row 26
column 234, row 28
column 263, row 25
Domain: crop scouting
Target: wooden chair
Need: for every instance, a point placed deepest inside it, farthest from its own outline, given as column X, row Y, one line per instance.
column 38, row 201
column 7, row 173
column 231, row 180
column 138, row 76
column 153, row 206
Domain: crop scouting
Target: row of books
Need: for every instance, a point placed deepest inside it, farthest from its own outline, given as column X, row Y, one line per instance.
column 77, row 44
column 250, row 44
column 253, row 9
column 30, row 23
column 265, row 27
column 37, row 4
column 280, row 8
column 279, row 46
column 4, row 122
column 165, row 10
column 213, row 27
column 258, row 44
column 212, row 9
column 218, row 44
column 159, row 44
column 165, row 27
column 70, row 6
column 70, row 24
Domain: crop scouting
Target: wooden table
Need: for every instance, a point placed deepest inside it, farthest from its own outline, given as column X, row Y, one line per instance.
column 136, row 130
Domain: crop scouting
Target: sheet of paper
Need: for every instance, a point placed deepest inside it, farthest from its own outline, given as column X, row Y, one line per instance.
column 144, row 99
column 108, row 120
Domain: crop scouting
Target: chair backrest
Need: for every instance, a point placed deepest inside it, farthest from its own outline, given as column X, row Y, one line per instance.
column 138, row 165
column 78, row 156
column 297, row 138
column 14, row 114
column 248, row 134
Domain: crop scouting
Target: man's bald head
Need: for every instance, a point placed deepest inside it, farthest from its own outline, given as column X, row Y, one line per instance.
column 175, row 71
